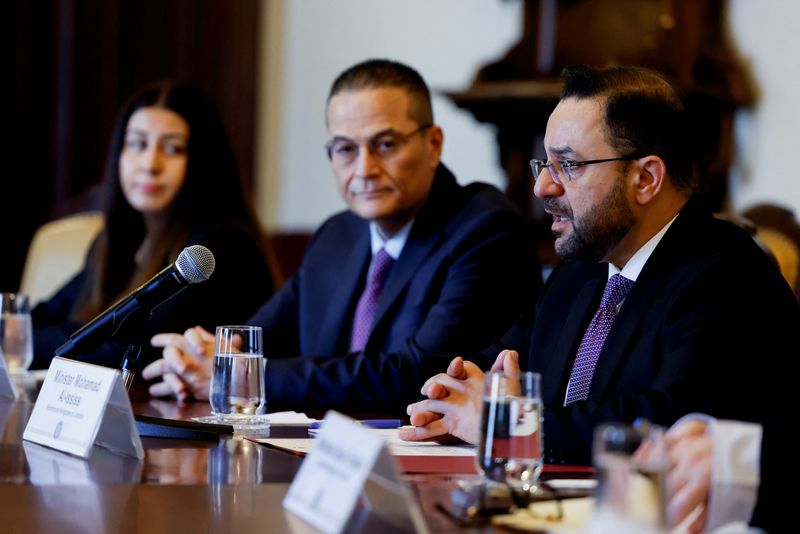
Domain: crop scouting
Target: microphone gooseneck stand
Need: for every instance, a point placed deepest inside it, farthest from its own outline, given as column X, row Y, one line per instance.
column 135, row 334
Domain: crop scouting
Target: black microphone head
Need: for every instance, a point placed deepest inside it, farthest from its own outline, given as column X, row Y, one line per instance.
column 195, row 264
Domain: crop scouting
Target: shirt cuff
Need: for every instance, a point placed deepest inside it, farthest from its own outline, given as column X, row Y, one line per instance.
column 735, row 471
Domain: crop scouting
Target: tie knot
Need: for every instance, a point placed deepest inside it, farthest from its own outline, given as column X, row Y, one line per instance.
column 616, row 289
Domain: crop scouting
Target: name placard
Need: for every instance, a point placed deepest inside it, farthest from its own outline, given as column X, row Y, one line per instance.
column 348, row 475
column 7, row 390
column 81, row 405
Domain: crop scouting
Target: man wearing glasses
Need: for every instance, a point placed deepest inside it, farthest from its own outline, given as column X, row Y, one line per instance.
column 657, row 309
column 418, row 269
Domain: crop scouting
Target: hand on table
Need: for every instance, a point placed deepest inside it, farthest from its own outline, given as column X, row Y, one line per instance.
column 453, row 407
column 689, row 474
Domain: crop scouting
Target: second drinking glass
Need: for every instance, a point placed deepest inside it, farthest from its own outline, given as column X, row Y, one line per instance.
column 237, row 381
column 510, row 450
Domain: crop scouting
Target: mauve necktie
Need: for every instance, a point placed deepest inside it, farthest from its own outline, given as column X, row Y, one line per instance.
column 368, row 302
column 591, row 345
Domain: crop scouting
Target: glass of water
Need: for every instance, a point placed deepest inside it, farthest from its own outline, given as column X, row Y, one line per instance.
column 16, row 333
column 510, row 449
column 631, row 462
column 237, row 381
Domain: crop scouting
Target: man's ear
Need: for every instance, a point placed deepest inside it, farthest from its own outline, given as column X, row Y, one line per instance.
column 436, row 140
column 651, row 174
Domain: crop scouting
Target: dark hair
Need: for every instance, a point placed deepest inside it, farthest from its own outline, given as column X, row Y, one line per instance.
column 644, row 115
column 380, row 73
column 212, row 192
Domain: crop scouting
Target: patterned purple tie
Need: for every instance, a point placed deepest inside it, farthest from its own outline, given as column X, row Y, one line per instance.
column 589, row 350
column 368, row 303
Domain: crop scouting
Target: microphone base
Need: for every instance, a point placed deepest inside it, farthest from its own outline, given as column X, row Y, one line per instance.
column 157, row 427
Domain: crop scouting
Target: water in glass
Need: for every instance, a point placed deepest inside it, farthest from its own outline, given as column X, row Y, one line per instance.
column 510, row 449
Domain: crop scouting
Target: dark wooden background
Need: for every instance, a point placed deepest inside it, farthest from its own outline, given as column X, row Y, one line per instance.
column 74, row 62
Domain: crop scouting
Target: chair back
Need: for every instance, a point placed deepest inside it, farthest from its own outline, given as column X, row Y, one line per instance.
column 57, row 253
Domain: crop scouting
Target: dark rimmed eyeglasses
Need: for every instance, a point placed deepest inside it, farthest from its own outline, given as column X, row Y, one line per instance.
column 562, row 170
column 344, row 151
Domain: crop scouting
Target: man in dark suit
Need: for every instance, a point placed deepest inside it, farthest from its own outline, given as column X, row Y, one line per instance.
column 419, row 268
column 658, row 308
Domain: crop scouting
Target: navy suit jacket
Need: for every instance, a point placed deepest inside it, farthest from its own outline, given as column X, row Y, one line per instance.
column 466, row 271
column 704, row 329
column 775, row 506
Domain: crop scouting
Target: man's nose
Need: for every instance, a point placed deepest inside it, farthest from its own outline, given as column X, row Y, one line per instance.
column 545, row 186
column 366, row 162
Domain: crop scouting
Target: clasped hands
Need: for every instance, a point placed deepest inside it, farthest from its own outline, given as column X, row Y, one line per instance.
column 453, row 407
column 185, row 368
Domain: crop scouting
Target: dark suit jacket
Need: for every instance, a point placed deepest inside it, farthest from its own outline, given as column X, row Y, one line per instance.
column 239, row 284
column 467, row 269
column 775, row 509
column 704, row 329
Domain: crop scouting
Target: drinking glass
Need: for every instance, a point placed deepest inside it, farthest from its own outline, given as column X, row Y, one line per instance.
column 237, row 380
column 631, row 464
column 510, row 450
column 16, row 334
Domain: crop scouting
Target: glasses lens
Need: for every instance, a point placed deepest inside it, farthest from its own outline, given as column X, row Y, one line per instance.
column 342, row 151
column 536, row 168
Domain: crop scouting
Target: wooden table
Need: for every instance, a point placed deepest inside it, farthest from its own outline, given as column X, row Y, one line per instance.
column 230, row 485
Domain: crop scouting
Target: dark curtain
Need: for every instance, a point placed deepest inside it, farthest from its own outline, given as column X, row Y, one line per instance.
column 73, row 64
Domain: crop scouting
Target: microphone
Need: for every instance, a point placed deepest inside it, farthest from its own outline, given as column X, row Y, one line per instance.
column 194, row 264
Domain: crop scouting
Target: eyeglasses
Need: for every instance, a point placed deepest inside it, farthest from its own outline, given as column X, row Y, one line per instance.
column 562, row 171
column 471, row 507
column 343, row 151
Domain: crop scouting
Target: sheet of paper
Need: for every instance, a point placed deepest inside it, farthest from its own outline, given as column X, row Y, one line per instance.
column 289, row 418
column 397, row 446
column 543, row 516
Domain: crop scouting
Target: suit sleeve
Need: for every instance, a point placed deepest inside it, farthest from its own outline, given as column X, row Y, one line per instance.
column 776, row 503
column 476, row 295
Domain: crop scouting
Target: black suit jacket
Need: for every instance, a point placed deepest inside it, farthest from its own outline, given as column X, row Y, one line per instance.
column 466, row 271
column 704, row 329
column 777, row 493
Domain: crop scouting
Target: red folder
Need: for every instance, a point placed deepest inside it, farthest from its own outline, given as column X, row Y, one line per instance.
column 466, row 464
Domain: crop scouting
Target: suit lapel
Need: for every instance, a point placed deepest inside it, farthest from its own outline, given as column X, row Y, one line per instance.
column 654, row 275
column 426, row 233
column 560, row 362
column 620, row 336
column 415, row 251
column 349, row 281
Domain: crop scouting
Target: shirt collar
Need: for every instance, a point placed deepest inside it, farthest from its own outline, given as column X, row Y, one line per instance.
column 394, row 245
column 639, row 259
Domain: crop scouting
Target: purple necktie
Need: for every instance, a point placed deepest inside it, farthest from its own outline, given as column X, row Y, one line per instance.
column 368, row 303
column 589, row 350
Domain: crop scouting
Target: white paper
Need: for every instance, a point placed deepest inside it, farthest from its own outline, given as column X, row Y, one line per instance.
column 397, row 447
column 289, row 418
column 81, row 405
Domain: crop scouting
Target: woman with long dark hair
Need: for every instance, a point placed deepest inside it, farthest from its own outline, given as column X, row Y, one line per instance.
column 171, row 182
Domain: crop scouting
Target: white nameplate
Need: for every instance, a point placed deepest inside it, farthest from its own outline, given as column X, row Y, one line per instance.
column 81, row 405
column 7, row 389
column 349, row 466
